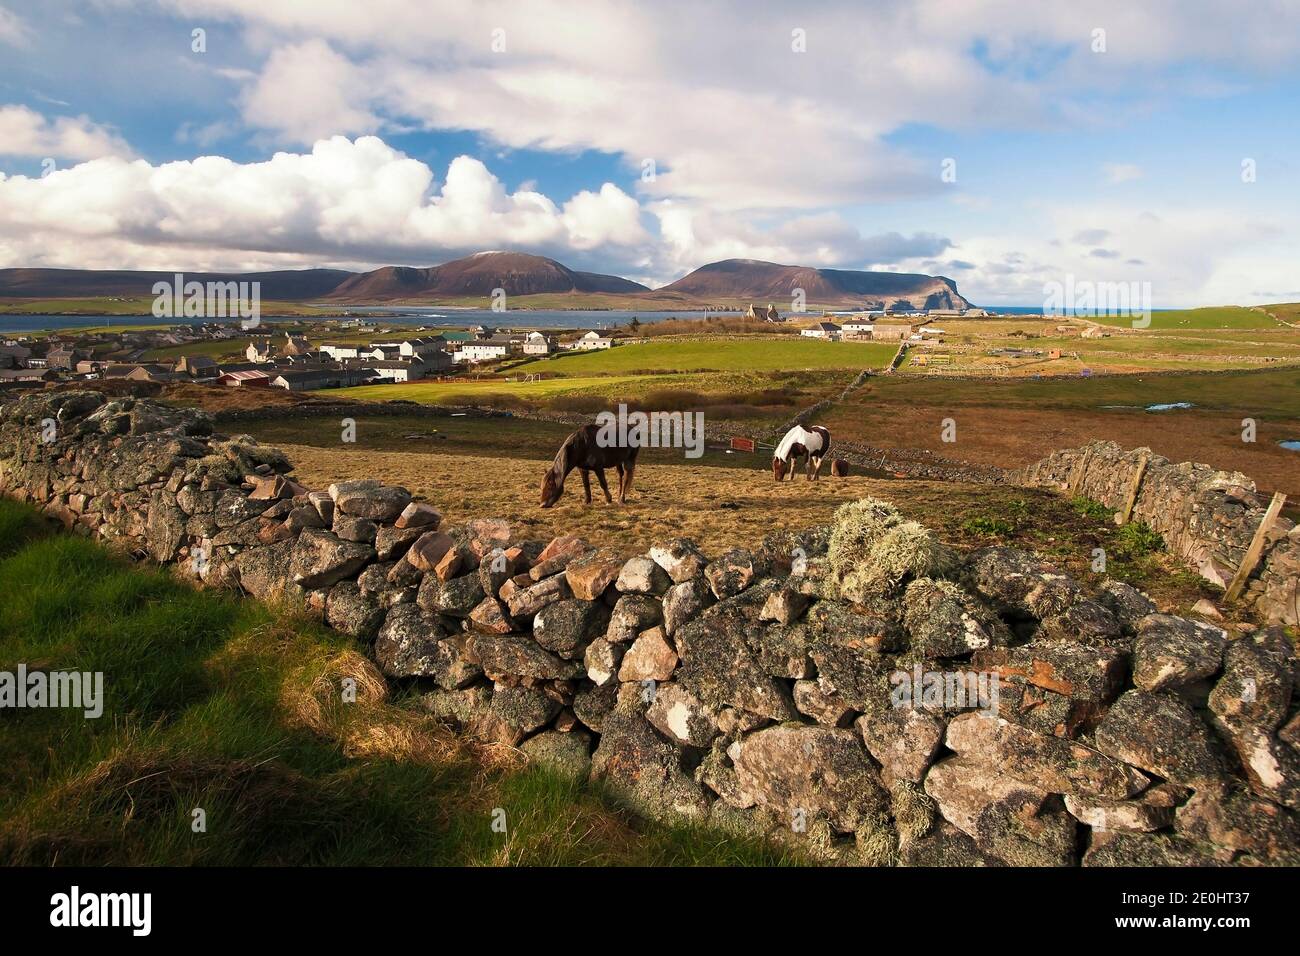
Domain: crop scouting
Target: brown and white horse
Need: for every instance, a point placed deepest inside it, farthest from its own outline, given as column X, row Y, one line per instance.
column 799, row 442
column 581, row 450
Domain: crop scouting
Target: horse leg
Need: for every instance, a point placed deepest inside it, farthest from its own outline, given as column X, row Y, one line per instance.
column 625, row 485
column 604, row 486
column 586, row 485
column 817, row 468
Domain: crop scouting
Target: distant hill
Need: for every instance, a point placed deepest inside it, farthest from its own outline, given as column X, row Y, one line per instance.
column 287, row 286
column 478, row 275
column 764, row 281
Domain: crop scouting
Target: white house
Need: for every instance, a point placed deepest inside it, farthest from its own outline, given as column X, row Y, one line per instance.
column 487, row 350
column 340, row 352
column 858, row 327
column 538, row 344
column 592, row 341
column 399, row 370
column 821, row 330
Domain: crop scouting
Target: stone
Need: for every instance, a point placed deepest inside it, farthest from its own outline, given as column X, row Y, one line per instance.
column 796, row 768
column 602, row 660
column 1127, row 603
column 591, row 574
column 942, row 620
column 680, row 559
column 1160, row 734
column 1007, row 818
column 324, row 505
column 419, row 514
column 645, row 769
column 1272, row 768
column 731, row 573
column 632, row 614
column 1256, row 685
column 428, row 550
column 369, row 499
column 515, row 654
column 412, row 645
column 494, row 571
column 784, row 606
column 557, row 555
column 1050, row 763
column 320, row 559
column 459, row 596
column 392, row 543
column 826, row 709
column 1145, row 850
column 522, row 710
column 718, row 666
column 567, row 754
column 733, row 721
column 684, row 602
column 1085, row 622
column 490, row 615
column 682, row 717
column 1151, row 810
column 526, row 603
column 350, row 528
column 349, row 611
column 650, row 657
column 1085, row 678
column 903, row 740
column 1171, row 652
column 568, row 626
column 642, row 576
column 1235, row 823
column 265, row 572
column 944, row 845
column 453, row 560
column 592, row 702
column 1205, row 608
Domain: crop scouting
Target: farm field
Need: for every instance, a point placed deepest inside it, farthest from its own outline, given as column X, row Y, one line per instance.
column 704, row 354
column 1212, row 317
column 1013, row 422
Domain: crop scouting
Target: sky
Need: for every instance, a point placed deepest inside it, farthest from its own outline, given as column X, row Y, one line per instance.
column 1006, row 145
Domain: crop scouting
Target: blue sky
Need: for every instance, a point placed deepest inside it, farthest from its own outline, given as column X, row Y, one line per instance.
column 357, row 135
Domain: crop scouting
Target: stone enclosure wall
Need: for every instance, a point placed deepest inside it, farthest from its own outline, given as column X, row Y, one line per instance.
column 1206, row 516
column 829, row 687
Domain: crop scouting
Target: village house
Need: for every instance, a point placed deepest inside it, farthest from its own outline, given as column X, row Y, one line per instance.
column 538, row 344
column 12, row 375
column 487, row 350
column 340, row 352
column 244, row 378
column 890, row 332
column 857, row 327
column 763, row 315
column 821, row 330
column 201, row 367
column 591, row 342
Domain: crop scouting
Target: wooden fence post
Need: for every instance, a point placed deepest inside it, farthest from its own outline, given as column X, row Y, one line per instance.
column 1256, row 548
column 1133, row 489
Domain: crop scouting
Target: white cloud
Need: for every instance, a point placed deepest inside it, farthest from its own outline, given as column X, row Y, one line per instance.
column 1122, row 172
column 24, row 132
column 13, row 30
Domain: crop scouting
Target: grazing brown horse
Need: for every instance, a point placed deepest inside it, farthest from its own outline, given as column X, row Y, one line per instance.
column 581, row 450
column 799, row 442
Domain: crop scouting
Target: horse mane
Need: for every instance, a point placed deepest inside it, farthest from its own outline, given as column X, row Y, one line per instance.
column 561, row 467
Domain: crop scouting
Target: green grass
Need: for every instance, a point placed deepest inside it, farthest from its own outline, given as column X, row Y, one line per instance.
column 206, row 706
column 1213, row 317
column 728, row 355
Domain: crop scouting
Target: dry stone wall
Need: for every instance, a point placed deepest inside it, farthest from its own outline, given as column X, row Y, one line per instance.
column 860, row 690
column 1207, row 516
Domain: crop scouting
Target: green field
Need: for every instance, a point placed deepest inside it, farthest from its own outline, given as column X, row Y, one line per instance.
column 135, row 305
column 1213, row 317
column 227, row 705
column 765, row 355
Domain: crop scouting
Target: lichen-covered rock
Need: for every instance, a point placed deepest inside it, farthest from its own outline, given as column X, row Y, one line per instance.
column 368, row 498
column 731, row 573
column 602, row 660
column 680, row 559
column 633, row 613
column 642, row 575
column 795, row 768
column 719, row 667
column 321, row 559
column 1235, row 823
column 784, row 606
column 1127, row 603
column 490, row 615
column 1145, row 849
column 457, row 597
column 522, row 710
column 1014, row 821
column 1173, row 651
column 903, row 739
column 265, row 572
column 566, row 754
column 684, row 602
column 1153, row 809
column 410, row 644
column 942, row 620
column 428, row 550
column 1256, row 685
column 524, row 604
column 1083, row 679
column 351, row 612
column 568, row 626
column 514, row 654
column 826, row 709
column 681, row 716
column 1160, row 734
column 944, row 845
column 593, row 702
column 1050, row 763
column 1084, row 621
column 644, row 768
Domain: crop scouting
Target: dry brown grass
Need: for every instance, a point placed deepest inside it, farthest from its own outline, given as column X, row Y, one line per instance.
column 718, row 507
